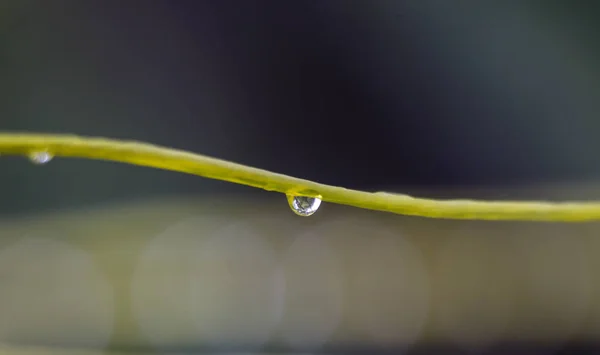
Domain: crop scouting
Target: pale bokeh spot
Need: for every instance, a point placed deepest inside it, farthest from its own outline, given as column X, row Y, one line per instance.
column 389, row 286
column 556, row 283
column 474, row 291
column 208, row 282
column 53, row 293
column 314, row 292
column 591, row 245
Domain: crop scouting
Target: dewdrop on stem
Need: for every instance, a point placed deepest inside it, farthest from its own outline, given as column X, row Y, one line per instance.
column 303, row 205
column 42, row 157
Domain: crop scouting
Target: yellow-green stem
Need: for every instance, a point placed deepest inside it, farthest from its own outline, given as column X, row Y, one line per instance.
column 144, row 154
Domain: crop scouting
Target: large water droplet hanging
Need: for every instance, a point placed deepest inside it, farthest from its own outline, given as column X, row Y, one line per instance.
column 304, row 206
column 40, row 157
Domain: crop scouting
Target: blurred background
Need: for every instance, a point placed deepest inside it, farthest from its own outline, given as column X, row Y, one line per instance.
column 464, row 98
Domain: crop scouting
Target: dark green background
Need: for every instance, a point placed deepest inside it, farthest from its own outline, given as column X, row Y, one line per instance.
column 366, row 94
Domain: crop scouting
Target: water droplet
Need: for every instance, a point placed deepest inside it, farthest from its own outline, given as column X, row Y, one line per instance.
column 303, row 205
column 40, row 157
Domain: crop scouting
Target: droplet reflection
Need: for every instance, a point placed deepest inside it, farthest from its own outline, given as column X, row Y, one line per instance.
column 303, row 205
column 40, row 157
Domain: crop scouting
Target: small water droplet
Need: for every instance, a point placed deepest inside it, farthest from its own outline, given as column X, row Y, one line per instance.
column 40, row 157
column 303, row 205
